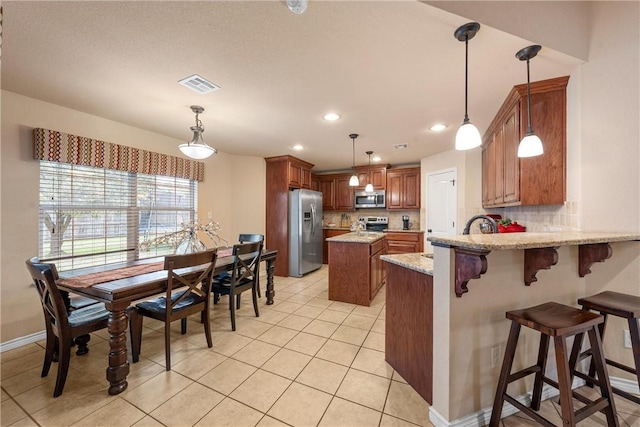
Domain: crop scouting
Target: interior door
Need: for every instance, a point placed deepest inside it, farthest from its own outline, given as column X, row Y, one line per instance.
column 442, row 203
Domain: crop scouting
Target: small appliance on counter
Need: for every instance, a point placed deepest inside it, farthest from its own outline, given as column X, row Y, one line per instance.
column 375, row 223
column 405, row 222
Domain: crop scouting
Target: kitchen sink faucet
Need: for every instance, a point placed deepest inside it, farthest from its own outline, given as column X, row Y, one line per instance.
column 494, row 225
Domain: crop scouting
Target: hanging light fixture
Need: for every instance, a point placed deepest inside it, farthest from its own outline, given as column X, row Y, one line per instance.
column 530, row 145
column 468, row 135
column 197, row 148
column 369, row 186
column 353, row 181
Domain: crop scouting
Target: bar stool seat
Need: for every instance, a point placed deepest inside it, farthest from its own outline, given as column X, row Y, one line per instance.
column 620, row 305
column 558, row 321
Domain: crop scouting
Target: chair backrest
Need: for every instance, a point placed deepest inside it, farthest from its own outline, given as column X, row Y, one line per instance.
column 194, row 285
column 246, row 263
column 244, row 238
column 44, row 277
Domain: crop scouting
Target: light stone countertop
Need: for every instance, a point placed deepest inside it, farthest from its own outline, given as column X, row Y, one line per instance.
column 355, row 237
column 508, row 241
column 399, row 230
column 415, row 261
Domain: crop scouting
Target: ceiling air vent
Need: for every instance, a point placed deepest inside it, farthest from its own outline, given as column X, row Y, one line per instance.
column 401, row 146
column 199, row 84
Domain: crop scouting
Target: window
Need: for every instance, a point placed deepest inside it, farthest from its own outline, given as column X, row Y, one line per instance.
column 92, row 216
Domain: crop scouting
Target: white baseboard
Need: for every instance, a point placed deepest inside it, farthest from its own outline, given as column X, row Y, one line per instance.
column 482, row 417
column 19, row 342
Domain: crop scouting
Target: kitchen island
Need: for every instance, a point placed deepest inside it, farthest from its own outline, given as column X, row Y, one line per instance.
column 470, row 329
column 408, row 346
column 356, row 272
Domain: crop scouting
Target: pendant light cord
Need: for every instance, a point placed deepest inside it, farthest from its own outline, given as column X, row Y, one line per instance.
column 529, row 127
column 466, row 77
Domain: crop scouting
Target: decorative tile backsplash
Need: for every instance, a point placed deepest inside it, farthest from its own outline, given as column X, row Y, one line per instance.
column 541, row 219
column 395, row 217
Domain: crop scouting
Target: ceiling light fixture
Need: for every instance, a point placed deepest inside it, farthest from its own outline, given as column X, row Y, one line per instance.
column 438, row 127
column 297, row 6
column 530, row 145
column 376, row 158
column 331, row 117
column 369, row 186
column 353, row 181
column 197, row 148
column 298, row 147
column 468, row 135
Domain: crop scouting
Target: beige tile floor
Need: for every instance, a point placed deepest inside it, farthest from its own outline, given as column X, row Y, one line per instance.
column 306, row 361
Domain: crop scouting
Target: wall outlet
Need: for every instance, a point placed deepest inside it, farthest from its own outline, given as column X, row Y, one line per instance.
column 495, row 357
column 627, row 339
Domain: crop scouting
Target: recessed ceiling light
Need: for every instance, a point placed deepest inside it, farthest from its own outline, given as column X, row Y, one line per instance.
column 330, row 117
column 438, row 127
column 297, row 147
column 376, row 158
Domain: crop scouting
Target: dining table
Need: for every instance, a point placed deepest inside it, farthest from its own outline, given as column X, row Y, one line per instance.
column 118, row 293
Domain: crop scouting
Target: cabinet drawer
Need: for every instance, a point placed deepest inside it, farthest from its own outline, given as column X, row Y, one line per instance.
column 404, row 237
column 377, row 246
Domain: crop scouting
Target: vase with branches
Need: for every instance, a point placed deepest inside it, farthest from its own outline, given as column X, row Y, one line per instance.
column 186, row 240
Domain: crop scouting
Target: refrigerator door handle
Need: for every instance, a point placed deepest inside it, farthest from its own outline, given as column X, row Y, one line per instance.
column 313, row 219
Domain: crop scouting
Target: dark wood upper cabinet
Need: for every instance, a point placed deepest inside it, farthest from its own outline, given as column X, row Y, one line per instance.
column 511, row 181
column 377, row 176
column 403, row 189
column 345, row 199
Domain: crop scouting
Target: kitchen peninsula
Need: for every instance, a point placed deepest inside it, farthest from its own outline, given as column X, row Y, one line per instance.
column 469, row 330
column 356, row 272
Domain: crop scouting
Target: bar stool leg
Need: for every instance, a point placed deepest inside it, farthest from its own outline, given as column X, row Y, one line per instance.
column 564, row 381
column 542, row 365
column 634, row 331
column 598, row 362
column 592, row 367
column 507, row 363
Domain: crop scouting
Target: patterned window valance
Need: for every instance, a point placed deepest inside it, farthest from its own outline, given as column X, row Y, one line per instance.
column 62, row 147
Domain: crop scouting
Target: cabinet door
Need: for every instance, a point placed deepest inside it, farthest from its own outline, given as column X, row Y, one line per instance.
column 305, row 177
column 498, row 143
column 377, row 176
column 411, row 193
column 511, row 133
column 327, row 188
column 295, row 175
column 344, row 198
column 394, row 190
column 315, row 182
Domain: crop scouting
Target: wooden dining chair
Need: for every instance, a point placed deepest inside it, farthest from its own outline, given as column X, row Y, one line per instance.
column 244, row 238
column 187, row 293
column 62, row 327
column 244, row 277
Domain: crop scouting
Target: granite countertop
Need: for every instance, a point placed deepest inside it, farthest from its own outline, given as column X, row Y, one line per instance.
column 399, row 230
column 508, row 241
column 416, row 261
column 355, row 237
column 326, row 227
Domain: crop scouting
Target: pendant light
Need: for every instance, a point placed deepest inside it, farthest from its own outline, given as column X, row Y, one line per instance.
column 369, row 186
column 530, row 145
column 197, row 148
column 468, row 135
column 353, row 181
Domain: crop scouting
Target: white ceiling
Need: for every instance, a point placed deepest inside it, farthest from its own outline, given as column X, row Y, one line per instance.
column 391, row 69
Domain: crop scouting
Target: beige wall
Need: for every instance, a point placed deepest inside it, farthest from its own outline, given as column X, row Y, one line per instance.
column 233, row 191
column 604, row 191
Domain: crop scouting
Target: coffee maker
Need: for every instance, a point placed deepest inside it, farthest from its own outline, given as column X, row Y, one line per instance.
column 405, row 222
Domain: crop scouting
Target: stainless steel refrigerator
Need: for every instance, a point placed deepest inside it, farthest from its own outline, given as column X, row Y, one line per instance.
column 305, row 232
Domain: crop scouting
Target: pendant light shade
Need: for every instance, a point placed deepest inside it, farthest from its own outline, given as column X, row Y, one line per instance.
column 369, row 187
column 531, row 144
column 197, row 148
column 468, row 135
column 353, row 181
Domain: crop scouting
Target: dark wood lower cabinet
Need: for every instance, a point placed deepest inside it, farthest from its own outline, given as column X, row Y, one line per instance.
column 409, row 327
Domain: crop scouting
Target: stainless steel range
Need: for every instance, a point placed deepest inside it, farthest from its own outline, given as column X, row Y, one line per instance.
column 375, row 223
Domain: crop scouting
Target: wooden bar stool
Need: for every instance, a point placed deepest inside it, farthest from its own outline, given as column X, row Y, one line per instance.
column 558, row 321
column 614, row 304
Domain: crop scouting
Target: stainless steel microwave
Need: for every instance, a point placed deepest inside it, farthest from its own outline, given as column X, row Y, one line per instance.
column 370, row 200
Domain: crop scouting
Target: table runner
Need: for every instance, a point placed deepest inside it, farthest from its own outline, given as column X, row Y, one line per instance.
column 88, row 280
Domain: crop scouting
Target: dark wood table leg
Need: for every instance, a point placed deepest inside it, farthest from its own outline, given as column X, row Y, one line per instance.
column 118, row 365
column 270, row 292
